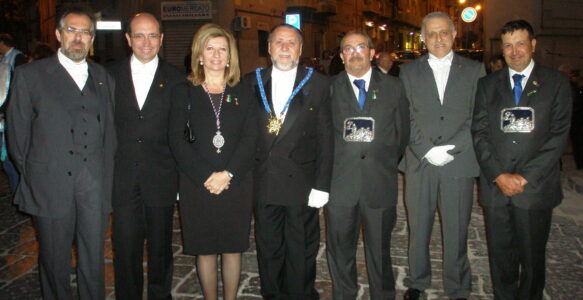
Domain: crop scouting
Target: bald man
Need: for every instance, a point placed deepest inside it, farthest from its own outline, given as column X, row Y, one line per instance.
column 145, row 177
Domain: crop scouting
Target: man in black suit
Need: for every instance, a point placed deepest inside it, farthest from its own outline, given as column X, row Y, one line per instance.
column 145, row 177
column 370, row 116
column 520, row 130
column 62, row 140
column 292, row 175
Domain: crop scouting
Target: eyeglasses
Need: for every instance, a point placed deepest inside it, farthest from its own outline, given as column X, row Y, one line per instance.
column 143, row 37
column 348, row 50
column 73, row 30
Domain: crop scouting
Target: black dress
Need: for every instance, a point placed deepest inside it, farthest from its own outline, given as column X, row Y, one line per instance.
column 213, row 224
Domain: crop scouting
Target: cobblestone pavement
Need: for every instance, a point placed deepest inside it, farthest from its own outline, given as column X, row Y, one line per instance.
column 19, row 272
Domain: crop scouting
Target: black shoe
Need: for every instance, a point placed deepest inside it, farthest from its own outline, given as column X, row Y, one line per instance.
column 412, row 294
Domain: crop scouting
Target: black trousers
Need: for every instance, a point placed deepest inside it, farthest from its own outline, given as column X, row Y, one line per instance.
column 84, row 224
column 134, row 224
column 517, row 240
column 343, row 227
column 288, row 238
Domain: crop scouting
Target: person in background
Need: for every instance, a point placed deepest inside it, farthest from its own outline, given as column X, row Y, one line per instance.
column 496, row 63
column 215, row 159
column 576, row 131
column 40, row 51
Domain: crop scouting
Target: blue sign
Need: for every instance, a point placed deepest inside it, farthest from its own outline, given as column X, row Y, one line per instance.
column 293, row 20
column 469, row 14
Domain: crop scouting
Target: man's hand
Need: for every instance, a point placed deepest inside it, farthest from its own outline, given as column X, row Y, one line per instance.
column 218, row 182
column 438, row 155
column 511, row 184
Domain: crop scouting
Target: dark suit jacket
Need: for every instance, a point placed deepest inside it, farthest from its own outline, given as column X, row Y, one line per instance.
column 434, row 124
column 40, row 139
column 368, row 171
column 198, row 160
column 290, row 164
column 533, row 155
column 143, row 155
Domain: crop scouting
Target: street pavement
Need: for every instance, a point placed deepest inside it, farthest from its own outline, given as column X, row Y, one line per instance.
column 19, row 250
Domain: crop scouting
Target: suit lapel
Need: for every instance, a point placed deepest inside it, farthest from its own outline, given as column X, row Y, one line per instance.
column 427, row 77
column 129, row 91
column 504, row 89
column 455, row 72
column 530, row 90
column 373, row 86
column 295, row 107
column 348, row 93
column 157, row 87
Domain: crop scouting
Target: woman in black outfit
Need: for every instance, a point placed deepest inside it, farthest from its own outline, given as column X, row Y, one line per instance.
column 215, row 158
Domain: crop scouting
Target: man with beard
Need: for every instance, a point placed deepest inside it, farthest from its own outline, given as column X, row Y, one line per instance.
column 292, row 175
column 439, row 163
column 145, row 177
column 370, row 117
column 62, row 139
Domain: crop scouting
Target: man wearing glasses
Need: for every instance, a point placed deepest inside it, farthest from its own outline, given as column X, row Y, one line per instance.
column 440, row 163
column 370, row 116
column 145, row 177
column 62, row 140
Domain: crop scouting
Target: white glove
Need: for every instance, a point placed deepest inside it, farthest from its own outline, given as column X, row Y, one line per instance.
column 438, row 155
column 317, row 198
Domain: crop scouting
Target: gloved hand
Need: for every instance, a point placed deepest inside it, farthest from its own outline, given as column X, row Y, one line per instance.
column 438, row 155
column 317, row 198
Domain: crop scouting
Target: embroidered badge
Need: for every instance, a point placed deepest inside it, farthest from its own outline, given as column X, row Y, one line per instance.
column 359, row 129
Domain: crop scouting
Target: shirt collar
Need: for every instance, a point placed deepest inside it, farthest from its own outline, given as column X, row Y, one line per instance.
column 8, row 52
column 526, row 72
column 279, row 74
column 150, row 66
column 447, row 58
column 366, row 76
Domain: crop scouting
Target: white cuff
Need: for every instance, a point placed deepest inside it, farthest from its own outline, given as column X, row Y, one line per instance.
column 317, row 198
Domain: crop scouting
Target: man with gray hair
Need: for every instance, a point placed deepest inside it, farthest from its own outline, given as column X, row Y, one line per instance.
column 440, row 164
column 62, row 139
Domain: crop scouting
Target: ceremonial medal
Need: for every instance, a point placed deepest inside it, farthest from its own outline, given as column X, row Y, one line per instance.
column 517, row 120
column 218, row 141
column 359, row 129
column 274, row 124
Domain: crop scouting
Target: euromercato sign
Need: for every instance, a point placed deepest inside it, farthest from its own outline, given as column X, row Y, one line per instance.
column 185, row 10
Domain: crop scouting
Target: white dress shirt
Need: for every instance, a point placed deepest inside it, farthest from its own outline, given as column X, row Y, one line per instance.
column 526, row 72
column 440, row 68
column 142, row 77
column 78, row 70
column 366, row 78
column 282, row 86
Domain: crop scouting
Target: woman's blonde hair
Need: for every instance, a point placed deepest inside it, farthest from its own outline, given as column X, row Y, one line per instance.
column 205, row 33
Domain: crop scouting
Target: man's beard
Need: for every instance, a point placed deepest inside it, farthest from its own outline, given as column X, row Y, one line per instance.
column 283, row 67
column 75, row 54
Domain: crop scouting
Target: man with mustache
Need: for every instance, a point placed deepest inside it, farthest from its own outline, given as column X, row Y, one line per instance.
column 440, row 164
column 370, row 117
column 145, row 176
column 62, row 139
column 293, row 165
column 520, row 130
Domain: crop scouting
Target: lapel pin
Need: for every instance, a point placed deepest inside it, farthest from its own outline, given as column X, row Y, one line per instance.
column 229, row 100
column 311, row 108
column 161, row 85
column 100, row 83
column 236, row 101
column 535, row 83
column 531, row 92
column 374, row 94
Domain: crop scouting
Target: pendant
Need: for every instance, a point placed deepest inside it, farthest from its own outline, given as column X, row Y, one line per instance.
column 274, row 125
column 218, row 141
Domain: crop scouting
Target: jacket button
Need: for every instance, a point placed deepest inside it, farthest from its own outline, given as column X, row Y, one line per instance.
column 514, row 160
column 139, row 140
column 69, row 173
column 71, row 152
column 363, row 156
column 439, row 137
column 442, row 118
column 140, row 117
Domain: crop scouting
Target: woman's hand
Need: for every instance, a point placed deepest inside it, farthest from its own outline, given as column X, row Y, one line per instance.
column 218, row 182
